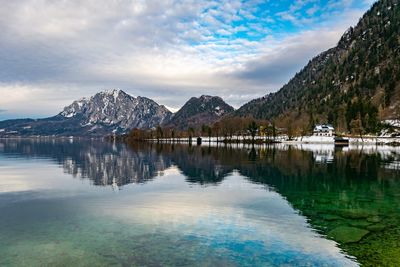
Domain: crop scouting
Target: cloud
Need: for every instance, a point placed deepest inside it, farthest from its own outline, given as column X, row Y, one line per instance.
column 285, row 57
column 280, row 58
column 53, row 52
column 312, row 10
column 24, row 100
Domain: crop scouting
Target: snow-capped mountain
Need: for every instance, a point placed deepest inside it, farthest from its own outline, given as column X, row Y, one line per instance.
column 107, row 112
column 117, row 108
column 200, row 110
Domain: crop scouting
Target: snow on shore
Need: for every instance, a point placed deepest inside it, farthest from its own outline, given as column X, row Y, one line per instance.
column 365, row 140
column 352, row 140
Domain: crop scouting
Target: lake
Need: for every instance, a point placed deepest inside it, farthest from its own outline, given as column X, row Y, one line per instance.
column 93, row 203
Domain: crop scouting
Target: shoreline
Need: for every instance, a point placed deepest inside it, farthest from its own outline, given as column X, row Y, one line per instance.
column 299, row 140
column 368, row 140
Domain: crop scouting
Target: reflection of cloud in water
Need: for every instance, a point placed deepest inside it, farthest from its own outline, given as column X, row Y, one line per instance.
column 237, row 211
column 356, row 181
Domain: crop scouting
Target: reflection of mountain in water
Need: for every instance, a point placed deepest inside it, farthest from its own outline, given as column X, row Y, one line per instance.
column 283, row 168
column 103, row 163
column 353, row 198
column 201, row 164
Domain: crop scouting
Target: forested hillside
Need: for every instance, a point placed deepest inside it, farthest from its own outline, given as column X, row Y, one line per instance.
column 353, row 85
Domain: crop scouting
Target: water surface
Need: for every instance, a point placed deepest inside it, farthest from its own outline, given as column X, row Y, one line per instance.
column 92, row 203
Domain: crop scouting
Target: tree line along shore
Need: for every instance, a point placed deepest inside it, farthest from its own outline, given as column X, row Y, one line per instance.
column 250, row 130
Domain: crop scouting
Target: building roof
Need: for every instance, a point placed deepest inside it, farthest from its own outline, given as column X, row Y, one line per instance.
column 323, row 127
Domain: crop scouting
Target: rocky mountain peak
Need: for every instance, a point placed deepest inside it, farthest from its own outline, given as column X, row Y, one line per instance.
column 206, row 97
column 118, row 109
column 107, row 112
column 113, row 92
column 200, row 110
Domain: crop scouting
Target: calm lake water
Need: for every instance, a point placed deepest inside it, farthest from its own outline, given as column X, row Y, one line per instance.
column 92, row 203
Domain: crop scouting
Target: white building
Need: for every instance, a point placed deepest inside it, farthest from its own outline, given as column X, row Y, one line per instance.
column 323, row 130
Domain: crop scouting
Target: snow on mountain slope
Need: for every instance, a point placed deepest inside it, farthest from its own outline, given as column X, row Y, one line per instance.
column 117, row 108
column 107, row 112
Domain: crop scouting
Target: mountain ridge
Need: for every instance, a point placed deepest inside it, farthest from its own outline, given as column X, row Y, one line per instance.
column 358, row 77
column 197, row 111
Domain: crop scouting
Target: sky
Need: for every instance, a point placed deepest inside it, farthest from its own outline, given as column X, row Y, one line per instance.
column 53, row 52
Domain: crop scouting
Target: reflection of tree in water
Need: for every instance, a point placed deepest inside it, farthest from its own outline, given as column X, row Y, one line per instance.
column 354, row 199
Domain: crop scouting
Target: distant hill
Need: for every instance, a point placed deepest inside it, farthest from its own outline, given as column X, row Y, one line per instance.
column 107, row 112
column 356, row 81
column 198, row 111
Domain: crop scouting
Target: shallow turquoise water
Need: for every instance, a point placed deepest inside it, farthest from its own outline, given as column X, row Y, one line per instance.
column 89, row 203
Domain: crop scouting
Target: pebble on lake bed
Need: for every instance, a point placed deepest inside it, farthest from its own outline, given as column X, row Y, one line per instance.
column 346, row 234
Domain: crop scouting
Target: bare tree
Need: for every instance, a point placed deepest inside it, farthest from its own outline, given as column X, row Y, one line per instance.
column 191, row 133
column 216, row 129
column 357, row 127
column 252, row 128
column 159, row 133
